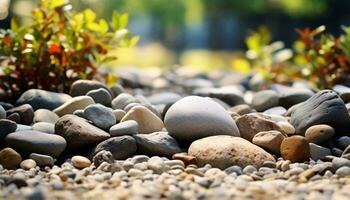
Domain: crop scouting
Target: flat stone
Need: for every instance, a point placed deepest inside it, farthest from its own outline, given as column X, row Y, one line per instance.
column 30, row 141
column 6, row 127
column 231, row 95
column 129, row 127
column 78, row 132
column 295, row 149
column 100, row 115
column 38, row 98
column 9, row 158
column 80, row 162
column 101, row 96
column 224, row 151
column 147, row 121
column 196, row 117
column 121, row 147
column 264, row 100
column 76, row 103
column 164, row 98
column 292, row 96
column 44, row 115
column 319, row 134
column 325, row 107
column 158, row 143
column 44, row 127
column 25, row 112
column 251, row 124
column 42, row 160
column 269, row 140
column 318, row 152
column 122, row 100
column 241, row 109
column 28, row 164
column 81, row 87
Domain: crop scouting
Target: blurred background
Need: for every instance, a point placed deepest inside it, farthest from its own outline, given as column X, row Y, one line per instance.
column 203, row 34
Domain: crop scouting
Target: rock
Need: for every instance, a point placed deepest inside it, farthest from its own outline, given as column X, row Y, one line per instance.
column 340, row 162
column 319, row 134
column 164, row 98
column 2, row 112
column 318, row 152
column 278, row 110
column 25, row 112
column 249, row 169
column 78, row 132
column 129, row 127
column 241, row 109
column 44, row 115
column 346, row 153
column 9, row 158
column 81, row 87
column 224, row 151
column 231, row 95
column 184, row 157
column 6, row 127
column 343, row 142
column 264, row 100
column 101, row 96
column 80, row 162
column 343, row 171
column 343, row 91
column 100, row 115
column 121, row 147
column 21, row 127
column 103, row 156
column 148, row 122
column 14, row 117
column 295, row 149
column 79, row 113
column 293, row 96
column 156, row 164
column 251, row 124
column 74, row 104
column 325, row 107
column 286, row 127
column 42, row 99
column 119, row 114
column 158, row 143
column 195, row 117
column 42, row 160
column 270, row 140
column 122, row 100
column 28, row 164
column 117, row 89
column 30, row 141
column 44, row 127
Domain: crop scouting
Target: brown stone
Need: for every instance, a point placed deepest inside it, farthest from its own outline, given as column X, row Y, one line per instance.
column 184, row 157
column 295, row 149
column 319, row 134
column 9, row 158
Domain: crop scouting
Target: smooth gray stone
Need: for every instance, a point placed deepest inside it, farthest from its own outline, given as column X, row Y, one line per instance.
column 101, row 96
column 100, row 115
column 164, row 98
column 42, row 160
column 157, row 144
column 38, row 98
column 6, row 127
column 230, row 95
column 44, row 127
column 81, row 87
column 195, row 117
column 340, row 162
column 31, row 141
column 78, row 132
column 121, row 147
column 44, row 115
column 264, row 100
column 2, row 112
column 318, row 152
column 129, row 127
column 122, row 100
column 325, row 107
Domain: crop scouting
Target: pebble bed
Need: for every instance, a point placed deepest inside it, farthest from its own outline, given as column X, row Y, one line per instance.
column 177, row 134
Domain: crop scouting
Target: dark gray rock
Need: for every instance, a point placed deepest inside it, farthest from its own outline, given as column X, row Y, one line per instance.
column 291, row 96
column 42, row 99
column 81, row 87
column 121, row 147
column 195, row 117
column 103, row 156
column 44, row 115
column 158, row 143
column 6, row 127
column 264, row 100
column 129, row 127
column 343, row 91
column 230, row 95
column 25, row 111
column 78, row 132
column 30, row 141
column 318, row 152
column 101, row 96
column 42, row 160
column 2, row 112
column 14, row 117
column 343, row 142
column 100, row 115
column 325, row 107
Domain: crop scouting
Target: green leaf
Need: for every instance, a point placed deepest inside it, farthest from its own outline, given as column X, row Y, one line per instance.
column 134, row 40
column 14, row 25
column 123, row 20
column 103, row 26
column 89, row 15
column 115, row 20
column 57, row 3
